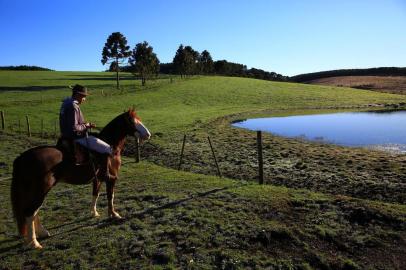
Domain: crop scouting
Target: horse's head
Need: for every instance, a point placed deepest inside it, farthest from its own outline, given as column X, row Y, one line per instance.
column 136, row 126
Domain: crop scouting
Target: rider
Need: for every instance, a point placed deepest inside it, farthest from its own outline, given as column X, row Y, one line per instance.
column 73, row 127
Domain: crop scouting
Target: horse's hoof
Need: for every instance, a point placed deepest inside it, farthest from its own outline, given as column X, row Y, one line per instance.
column 95, row 214
column 34, row 244
column 115, row 215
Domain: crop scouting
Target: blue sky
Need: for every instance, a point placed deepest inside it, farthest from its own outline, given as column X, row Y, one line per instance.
column 286, row 36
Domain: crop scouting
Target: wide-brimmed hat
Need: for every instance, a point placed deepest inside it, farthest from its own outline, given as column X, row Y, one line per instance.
column 80, row 90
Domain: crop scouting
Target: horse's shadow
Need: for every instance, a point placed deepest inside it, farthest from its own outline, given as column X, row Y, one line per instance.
column 104, row 223
column 82, row 219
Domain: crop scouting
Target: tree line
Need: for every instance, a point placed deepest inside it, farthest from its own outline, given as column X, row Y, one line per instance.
column 23, row 67
column 381, row 71
column 143, row 62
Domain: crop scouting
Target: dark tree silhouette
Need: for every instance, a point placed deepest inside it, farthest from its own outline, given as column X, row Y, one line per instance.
column 179, row 61
column 115, row 50
column 192, row 58
column 114, row 67
column 144, row 61
column 185, row 61
column 206, row 64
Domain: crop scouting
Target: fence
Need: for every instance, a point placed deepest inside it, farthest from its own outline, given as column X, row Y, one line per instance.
column 49, row 129
column 214, row 156
column 30, row 126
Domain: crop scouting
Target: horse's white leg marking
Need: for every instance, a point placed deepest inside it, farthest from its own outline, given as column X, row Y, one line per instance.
column 112, row 212
column 94, row 210
column 39, row 229
column 31, row 237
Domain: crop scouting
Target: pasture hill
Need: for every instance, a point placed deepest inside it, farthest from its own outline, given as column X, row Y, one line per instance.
column 387, row 80
column 322, row 206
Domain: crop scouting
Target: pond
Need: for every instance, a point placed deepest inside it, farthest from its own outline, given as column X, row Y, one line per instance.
column 384, row 130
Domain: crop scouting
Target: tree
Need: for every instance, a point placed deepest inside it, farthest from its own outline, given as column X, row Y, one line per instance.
column 113, row 66
column 144, row 61
column 115, row 50
column 179, row 62
column 185, row 60
column 192, row 58
column 206, row 64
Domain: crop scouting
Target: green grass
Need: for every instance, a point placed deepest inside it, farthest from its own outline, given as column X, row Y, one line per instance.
column 185, row 220
column 177, row 219
column 165, row 106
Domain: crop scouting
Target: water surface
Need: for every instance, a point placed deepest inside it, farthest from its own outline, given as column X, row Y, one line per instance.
column 377, row 129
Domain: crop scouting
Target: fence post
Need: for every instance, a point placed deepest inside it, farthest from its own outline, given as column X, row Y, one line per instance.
column 28, row 126
column 55, row 124
column 214, row 156
column 181, row 153
column 3, row 121
column 260, row 160
column 42, row 128
column 137, row 149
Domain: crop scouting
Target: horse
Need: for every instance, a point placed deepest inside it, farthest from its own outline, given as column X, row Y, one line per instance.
column 40, row 168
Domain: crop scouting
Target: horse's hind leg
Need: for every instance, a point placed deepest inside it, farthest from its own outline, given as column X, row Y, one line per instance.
column 34, row 202
column 31, row 239
column 96, row 188
column 40, row 231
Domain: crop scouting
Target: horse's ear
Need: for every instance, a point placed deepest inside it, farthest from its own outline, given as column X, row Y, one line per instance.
column 131, row 112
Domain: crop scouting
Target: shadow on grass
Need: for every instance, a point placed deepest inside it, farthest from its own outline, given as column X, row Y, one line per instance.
column 31, row 88
column 16, row 244
column 94, row 77
column 110, row 221
column 4, row 250
column 70, row 223
column 99, row 76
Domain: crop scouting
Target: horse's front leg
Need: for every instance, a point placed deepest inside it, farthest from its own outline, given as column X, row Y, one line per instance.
column 96, row 188
column 110, row 197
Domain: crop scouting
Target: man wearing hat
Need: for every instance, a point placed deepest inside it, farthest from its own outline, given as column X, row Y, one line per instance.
column 73, row 127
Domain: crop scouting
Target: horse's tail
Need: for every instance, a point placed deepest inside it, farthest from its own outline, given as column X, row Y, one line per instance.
column 16, row 198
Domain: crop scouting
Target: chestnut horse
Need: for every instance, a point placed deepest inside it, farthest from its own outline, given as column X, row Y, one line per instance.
column 38, row 169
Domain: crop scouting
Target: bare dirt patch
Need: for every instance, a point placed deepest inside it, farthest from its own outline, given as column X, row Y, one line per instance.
column 386, row 84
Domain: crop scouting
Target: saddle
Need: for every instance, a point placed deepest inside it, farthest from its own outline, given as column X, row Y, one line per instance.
column 72, row 152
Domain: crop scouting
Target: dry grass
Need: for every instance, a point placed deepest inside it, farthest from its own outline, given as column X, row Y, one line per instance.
column 394, row 85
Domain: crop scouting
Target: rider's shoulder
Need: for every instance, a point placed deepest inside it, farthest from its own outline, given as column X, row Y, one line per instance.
column 70, row 102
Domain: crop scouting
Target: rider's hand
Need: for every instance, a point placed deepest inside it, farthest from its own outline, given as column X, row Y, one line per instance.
column 90, row 125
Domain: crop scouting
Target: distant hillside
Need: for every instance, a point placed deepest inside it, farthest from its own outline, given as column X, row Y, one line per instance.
column 23, row 67
column 386, row 84
column 381, row 71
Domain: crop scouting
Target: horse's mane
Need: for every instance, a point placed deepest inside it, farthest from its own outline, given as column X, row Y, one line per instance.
column 117, row 128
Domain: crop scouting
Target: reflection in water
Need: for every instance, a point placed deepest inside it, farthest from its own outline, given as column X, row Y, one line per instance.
column 376, row 129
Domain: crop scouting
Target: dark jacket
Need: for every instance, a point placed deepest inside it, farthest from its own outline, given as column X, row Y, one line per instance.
column 71, row 120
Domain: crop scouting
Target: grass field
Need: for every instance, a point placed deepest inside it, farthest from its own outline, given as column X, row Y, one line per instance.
column 189, row 102
column 196, row 221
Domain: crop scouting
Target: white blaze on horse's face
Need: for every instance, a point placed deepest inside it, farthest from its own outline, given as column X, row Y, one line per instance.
column 143, row 132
